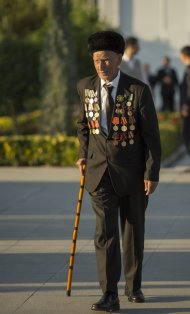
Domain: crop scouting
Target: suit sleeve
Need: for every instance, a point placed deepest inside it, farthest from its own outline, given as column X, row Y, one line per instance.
column 187, row 101
column 151, row 136
column 82, row 127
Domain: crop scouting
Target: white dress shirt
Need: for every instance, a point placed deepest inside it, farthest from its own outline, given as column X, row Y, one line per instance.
column 131, row 62
column 114, row 83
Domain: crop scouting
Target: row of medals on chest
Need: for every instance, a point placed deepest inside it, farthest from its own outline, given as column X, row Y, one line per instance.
column 92, row 112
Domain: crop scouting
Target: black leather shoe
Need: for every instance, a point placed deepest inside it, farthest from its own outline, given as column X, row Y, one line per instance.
column 135, row 296
column 109, row 302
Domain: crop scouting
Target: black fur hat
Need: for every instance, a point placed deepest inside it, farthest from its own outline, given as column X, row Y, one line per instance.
column 106, row 40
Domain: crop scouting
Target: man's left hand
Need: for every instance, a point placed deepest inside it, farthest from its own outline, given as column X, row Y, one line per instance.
column 150, row 186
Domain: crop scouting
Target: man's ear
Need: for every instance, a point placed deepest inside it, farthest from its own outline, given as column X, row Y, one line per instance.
column 120, row 57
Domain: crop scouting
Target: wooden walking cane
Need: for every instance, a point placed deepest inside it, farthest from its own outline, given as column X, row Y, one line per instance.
column 75, row 232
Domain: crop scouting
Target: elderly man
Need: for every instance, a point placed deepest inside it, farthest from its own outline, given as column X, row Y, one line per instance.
column 120, row 145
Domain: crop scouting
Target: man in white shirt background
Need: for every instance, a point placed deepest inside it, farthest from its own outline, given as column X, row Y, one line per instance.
column 130, row 64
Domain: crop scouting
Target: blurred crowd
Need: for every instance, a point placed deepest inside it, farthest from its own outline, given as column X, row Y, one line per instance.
column 166, row 78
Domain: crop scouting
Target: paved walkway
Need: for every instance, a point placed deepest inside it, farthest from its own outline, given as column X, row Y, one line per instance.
column 37, row 210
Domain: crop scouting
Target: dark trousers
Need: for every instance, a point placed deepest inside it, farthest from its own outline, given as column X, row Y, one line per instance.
column 168, row 102
column 106, row 204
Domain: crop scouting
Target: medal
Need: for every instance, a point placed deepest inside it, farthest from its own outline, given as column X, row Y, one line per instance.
column 124, row 128
column 91, row 100
column 96, row 114
column 92, row 124
column 123, row 143
column 132, row 127
column 115, row 136
column 120, row 98
column 97, row 124
column 90, row 107
column 123, row 137
column 97, row 131
column 91, row 114
column 115, row 143
column 130, row 135
column 115, row 121
column 131, row 142
column 129, row 104
column 115, row 128
column 132, row 120
column 95, row 99
column 124, row 122
column 130, row 113
column 118, row 105
column 93, row 131
column 87, row 100
column 91, row 93
column 96, row 107
column 94, row 118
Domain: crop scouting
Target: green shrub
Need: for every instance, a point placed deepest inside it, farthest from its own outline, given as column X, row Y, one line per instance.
column 170, row 132
column 60, row 150
column 170, row 139
column 6, row 125
column 38, row 150
column 28, row 123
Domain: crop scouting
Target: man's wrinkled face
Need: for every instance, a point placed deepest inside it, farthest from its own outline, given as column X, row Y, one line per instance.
column 106, row 64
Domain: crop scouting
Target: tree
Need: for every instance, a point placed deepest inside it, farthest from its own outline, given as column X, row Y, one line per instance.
column 58, row 70
column 21, row 31
column 85, row 21
column 22, row 20
column 19, row 80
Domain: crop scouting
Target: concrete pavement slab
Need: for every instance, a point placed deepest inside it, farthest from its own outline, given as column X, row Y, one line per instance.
column 37, row 211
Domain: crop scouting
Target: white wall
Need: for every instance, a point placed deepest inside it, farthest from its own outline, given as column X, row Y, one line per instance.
column 162, row 26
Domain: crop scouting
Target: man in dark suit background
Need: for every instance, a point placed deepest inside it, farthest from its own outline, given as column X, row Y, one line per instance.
column 167, row 78
column 120, row 145
column 185, row 96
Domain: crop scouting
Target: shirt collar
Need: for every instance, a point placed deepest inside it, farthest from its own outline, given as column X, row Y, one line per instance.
column 113, row 83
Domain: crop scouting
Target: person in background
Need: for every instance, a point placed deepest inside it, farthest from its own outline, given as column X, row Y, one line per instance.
column 185, row 96
column 167, row 78
column 130, row 64
column 150, row 78
column 120, row 146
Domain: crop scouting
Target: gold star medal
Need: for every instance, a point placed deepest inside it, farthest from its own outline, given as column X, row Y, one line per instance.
column 115, row 121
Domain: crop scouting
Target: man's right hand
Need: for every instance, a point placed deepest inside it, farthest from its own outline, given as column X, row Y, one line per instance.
column 80, row 163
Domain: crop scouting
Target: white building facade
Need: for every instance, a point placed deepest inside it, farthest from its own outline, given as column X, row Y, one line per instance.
column 162, row 26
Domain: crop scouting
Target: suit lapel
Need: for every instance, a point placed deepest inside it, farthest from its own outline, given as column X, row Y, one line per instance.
column 123, row 88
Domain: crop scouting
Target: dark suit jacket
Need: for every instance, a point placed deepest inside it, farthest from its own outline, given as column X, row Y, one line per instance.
column 139, row 159
column 185, row 88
